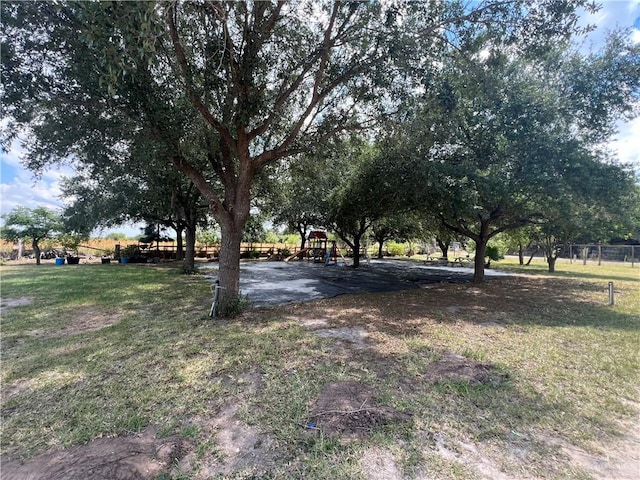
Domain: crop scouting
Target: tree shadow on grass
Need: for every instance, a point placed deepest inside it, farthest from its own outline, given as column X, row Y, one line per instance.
column 158, row 355
column 633, row 274
column 480, row 405
column 541, row 301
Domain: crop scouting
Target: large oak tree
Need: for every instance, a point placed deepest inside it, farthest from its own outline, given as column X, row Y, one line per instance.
column 502, row 138
column 226, row 88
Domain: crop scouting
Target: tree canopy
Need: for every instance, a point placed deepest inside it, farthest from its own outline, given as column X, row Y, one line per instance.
column 500, row 139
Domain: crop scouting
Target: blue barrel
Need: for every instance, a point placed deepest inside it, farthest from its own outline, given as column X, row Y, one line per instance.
column 59, row 261
column 124, row 259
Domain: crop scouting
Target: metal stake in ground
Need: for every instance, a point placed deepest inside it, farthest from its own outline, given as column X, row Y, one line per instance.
column 216, row 295
column 611, row 294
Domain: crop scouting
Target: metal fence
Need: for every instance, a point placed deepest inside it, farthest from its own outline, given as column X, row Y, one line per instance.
column 603, row 253
column 591, row 253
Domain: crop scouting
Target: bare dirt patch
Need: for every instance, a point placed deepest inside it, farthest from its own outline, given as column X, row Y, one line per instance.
column 348, row 410
column 469, row 455
column 139, row 457
column 619, row 460
column 14, row 302
column 456, row 368
column 239, row 448
column 86, row 319
column 379, row 464
column 353, row 336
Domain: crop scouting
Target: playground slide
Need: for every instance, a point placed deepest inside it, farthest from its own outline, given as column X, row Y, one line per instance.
column 298, row 253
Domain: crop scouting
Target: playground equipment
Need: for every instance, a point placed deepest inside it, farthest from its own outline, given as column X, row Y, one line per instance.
column 332, row 254
column 317, row 248
column 319, row 251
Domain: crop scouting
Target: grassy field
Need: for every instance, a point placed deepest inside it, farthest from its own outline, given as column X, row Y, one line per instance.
column 545, row 380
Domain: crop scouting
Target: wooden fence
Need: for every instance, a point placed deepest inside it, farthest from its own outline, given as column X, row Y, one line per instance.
column 247, row 250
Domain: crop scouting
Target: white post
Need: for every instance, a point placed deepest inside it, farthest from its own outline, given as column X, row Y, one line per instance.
column 611, row 294
column 570, row 253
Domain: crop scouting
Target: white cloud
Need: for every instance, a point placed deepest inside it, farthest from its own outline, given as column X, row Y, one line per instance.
column 12, row 158
column 612, row 14
column 22, row 188
column 627, row 143
column 29, row 192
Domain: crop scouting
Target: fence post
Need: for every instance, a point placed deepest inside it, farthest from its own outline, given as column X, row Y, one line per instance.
column 570, row 253
column 633, row 256
column 585, row 251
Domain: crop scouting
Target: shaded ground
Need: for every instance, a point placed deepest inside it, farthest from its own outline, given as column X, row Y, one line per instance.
column 274, row 283
column 456, row 368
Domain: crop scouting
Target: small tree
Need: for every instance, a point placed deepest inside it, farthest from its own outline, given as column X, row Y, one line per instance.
column 71, row 241
column 36, row 224
column 492, row 252
column 360, row 194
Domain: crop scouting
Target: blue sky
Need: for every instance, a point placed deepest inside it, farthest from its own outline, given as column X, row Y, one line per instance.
column 18, row 186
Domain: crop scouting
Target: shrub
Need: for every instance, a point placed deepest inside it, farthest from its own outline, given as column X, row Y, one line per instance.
column 493, row 253
column 396, row 249
column 129, row 251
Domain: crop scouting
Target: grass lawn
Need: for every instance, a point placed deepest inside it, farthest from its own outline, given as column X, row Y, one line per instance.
column 530, row 376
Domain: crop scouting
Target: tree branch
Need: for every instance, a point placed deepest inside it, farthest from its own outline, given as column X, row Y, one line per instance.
column 181, row 57
column 199, row 181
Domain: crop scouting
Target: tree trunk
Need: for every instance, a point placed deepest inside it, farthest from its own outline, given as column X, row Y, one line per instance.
column 230, row 213
column 551, row 260
column 380, row 245
column 20, row 248
column 179, row 243
column 36, row 250
column 521, row 254
column 478, row 270
column 481, row 249
column 303, row 236
column 356, row 251
column 229, row 265
column 444, row 247
column 190, row 251
column 532, row 255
